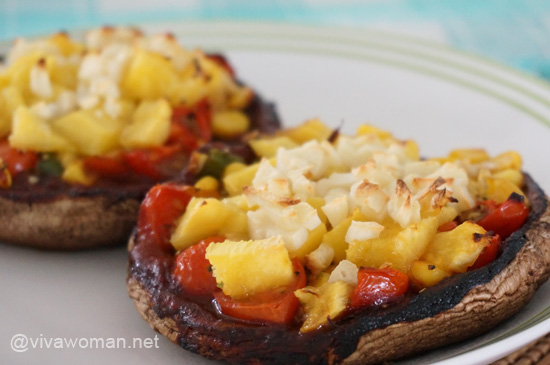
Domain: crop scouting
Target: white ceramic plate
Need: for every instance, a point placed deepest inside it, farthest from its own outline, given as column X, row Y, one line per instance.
column 440, row 97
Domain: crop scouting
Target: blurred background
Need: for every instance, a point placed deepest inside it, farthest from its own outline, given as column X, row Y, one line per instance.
column 513, row 32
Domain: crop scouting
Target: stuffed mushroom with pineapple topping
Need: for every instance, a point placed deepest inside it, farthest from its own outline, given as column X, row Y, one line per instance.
column 87, row 127
column 339, row 249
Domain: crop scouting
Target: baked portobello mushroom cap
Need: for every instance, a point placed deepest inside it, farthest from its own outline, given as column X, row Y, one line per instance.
column 459, row 307
column 53, row 214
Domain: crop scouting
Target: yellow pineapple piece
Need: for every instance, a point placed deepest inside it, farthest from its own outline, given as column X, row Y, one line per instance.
column 65, row 75
column 206, row 218
column 207, row 183
column 366, row 129
column 10, row 99
column 91, row 131
column 395, row 246
column 412, row 150
column 507, row 160
column 150, row 125
column 246, row 268
column 323, row 303
column 426, row 274
column 499, row 190
column 267, row 147
column 65, row 44
column 313, row 241
column 335, row 238
column 32, row 133
column 75, row 173
column 148, row 76
column 240, row 98
column 313, row 129
column 188, row 91
column 235, row 181
column 229, row 124
column 458, row 249
column 511, row 175
column 19, row 72
column 318, row 202
column 472, row 155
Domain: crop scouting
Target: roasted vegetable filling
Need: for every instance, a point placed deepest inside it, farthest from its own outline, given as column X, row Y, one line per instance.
column 327, row 224
column 119, row 105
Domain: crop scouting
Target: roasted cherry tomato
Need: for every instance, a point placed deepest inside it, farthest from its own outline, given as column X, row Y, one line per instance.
column 112, row 167
column 189, row 125
column 488, row 254
column 148, row 162
column 506, row 218
column 16, row 160
column 270, row 307
column 193, row 271
column 378, row 286
column 162, row 205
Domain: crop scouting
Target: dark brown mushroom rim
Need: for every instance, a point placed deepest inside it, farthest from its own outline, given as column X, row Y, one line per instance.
column 459, row 307
column 53, row 214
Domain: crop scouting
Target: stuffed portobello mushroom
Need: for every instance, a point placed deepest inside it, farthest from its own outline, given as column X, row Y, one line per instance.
column 339, row 249
column 88, row 127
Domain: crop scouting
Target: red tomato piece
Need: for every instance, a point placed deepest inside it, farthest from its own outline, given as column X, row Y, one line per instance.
column 162, row 205
column 16, row 160
column 506, row 218
column 193, row 271
column 111, row 167
column 191, row 126
column 146, row 162
column 489, row 253
column 378, row 286
column 271, row 307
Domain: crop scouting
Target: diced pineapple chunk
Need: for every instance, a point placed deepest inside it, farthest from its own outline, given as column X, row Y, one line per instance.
column 10, row 100
column 313, row 129
column 426, row 274
column 240, row 98
column 507, row 160
column 250, row 267
column 472, row 155
column 150, row 125
column 458, row 249
column 19, row 72
column 499, row 190
column 397, row 247
column 323, row 303
column 32, row 133
column 91, row 131
column 511, row 175
column 365, row 129
column 267, row 147
column 207, row 183
column 206, row 218
column 75, row 173
column 189, row 91
column 148, row 76
column 335, row 238
column 234, row 182
column 318, row 202
column 65, row 44
column 312, row 242
column 229, row 124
